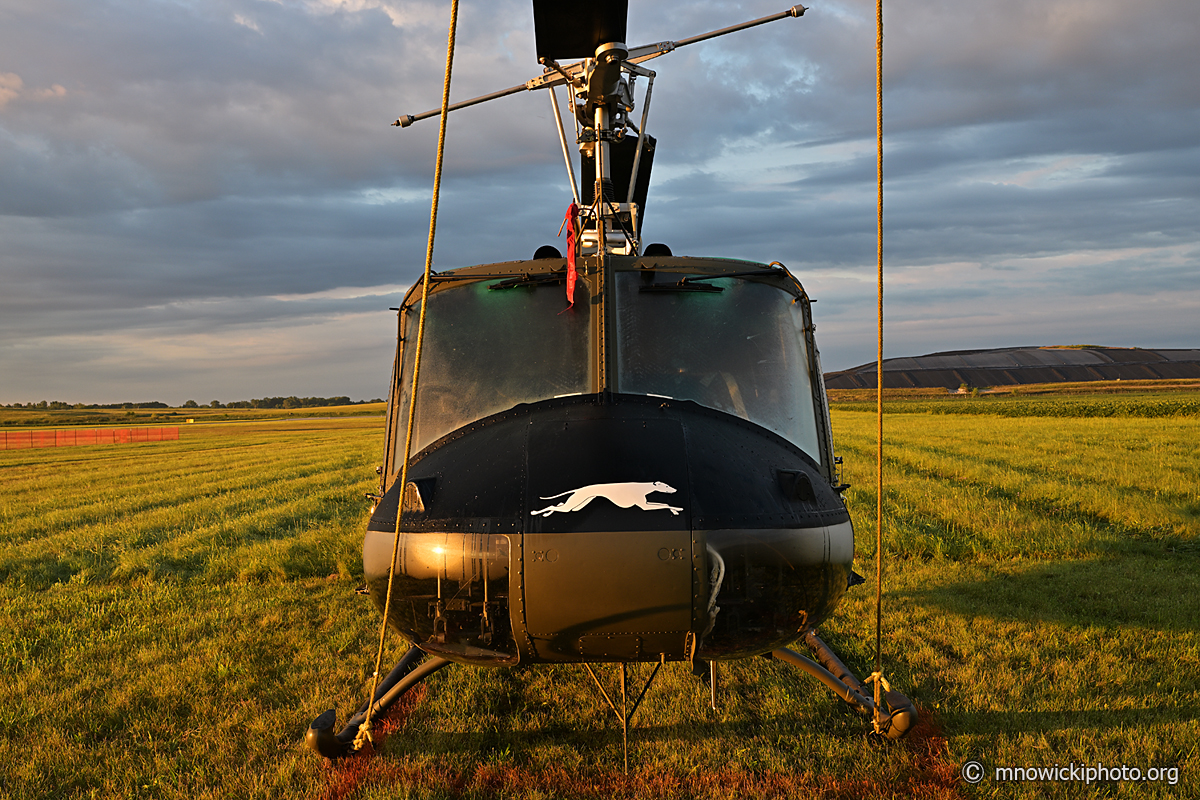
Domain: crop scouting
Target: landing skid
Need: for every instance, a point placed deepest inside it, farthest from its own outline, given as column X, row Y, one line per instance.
column 409, row 672
column 897, row 715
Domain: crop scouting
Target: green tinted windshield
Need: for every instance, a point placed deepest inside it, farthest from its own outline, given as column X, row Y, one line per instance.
column 740, row 350
column 486, row 350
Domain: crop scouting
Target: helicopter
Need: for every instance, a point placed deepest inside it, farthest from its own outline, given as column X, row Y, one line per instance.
column 619, row 456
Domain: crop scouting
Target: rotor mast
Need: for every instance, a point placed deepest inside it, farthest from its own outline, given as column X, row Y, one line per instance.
column 601, row 84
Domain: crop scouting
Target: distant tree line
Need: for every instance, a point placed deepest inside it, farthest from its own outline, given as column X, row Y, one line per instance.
column 58, row 404
column 265, row 402
column 288, row 402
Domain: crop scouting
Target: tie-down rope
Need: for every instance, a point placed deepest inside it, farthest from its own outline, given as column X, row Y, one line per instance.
column 364, row 732
column 877, row 677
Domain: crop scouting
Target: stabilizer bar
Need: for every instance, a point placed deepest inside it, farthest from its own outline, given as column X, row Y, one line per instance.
column 559, row 75
column 646, row 52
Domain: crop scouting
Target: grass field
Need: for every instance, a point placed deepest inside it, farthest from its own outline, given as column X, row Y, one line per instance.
column 19, row 418
column 1100, row 399
column 172, row 615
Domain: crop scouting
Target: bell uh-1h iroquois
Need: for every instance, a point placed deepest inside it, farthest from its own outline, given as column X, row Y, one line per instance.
column 640, row 471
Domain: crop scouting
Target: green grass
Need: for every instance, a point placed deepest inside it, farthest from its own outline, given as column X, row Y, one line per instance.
column 172, row 615
column 1140, row 404
column 992, row 487
column 21, row 418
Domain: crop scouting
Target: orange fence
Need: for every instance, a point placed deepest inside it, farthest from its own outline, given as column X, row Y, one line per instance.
column 18, row 440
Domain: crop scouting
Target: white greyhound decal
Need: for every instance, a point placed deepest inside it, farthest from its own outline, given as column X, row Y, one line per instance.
column 624, row 495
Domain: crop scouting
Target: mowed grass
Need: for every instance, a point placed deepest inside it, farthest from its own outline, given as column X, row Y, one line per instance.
column 1044, row 590
column 1099, row 399
column 23, row 418
column 174, row 614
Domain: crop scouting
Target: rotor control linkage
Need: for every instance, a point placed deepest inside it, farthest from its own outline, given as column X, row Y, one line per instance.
column 558, row 76
column 409, row 672
column 898, row 714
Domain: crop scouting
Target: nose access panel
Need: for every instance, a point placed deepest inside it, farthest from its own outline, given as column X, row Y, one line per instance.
column 608, row 557
column 626, row 594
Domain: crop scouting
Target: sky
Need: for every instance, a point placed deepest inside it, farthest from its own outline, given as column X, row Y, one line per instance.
column 204, row 199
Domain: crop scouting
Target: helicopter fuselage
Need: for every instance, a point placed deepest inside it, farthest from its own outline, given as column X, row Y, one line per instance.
column 646, row 474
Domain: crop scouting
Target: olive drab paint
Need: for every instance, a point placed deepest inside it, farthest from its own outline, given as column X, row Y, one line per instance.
column 694, row 516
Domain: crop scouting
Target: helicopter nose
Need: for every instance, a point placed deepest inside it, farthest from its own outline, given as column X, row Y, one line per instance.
column 609, row 594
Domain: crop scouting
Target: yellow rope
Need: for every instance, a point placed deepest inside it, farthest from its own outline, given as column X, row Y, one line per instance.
column 879, row 359
column 364, row 731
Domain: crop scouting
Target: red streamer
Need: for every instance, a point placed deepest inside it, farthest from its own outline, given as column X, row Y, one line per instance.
column 571, row 221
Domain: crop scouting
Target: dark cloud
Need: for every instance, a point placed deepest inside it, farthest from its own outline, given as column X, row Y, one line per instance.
column 172, row 168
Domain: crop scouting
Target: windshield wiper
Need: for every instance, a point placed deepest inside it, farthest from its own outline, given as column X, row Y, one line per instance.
column 682, row 286
column 695, row 283
column 531, row 280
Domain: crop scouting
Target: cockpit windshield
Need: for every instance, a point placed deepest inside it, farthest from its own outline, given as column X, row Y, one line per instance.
column 737, row 346
column 486, row 350
column 740, row 350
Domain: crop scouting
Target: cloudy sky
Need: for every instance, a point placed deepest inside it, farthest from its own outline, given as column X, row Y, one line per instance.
column 203, row 199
